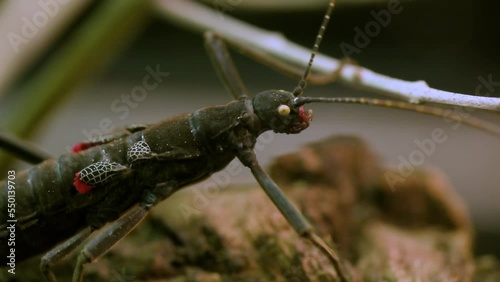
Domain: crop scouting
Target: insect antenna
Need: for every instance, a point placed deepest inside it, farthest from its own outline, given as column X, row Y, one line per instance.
column 303, row 80
column 448, row 114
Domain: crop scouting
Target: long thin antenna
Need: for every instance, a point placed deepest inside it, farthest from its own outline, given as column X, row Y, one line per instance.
column 435, row 111
column 303, row 81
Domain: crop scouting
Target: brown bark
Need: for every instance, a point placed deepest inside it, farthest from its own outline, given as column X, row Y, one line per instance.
column 417, row 230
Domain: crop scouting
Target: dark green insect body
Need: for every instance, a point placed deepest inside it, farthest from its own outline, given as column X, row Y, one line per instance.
column 63, row 201
column 164, row 158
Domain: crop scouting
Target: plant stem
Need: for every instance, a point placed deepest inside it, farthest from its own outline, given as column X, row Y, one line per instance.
column 200, row 18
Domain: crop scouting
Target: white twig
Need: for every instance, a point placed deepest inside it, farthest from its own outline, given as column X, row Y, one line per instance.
column 200, row 18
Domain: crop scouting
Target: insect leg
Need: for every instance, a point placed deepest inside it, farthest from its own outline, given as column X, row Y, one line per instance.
column 105, row 139
column 22, row 149
column 295, row 217
column 176, row 154
column 59, row 252
column 107, row 238
column 224, row 66
column 140, row 151
column 270, row 61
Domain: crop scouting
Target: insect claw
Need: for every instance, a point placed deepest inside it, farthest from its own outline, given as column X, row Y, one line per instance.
column 331, row 254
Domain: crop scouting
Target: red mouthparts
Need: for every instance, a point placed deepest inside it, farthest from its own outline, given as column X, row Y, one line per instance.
column 306, row 116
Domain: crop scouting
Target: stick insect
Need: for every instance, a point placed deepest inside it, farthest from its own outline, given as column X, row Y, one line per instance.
column 119, row 179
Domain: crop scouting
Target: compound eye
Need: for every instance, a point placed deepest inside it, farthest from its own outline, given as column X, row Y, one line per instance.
column 284, row 110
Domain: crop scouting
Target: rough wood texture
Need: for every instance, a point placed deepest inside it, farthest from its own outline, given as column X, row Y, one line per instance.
column 418, row 230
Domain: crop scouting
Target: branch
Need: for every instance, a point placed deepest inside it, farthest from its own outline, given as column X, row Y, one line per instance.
column 197, row 17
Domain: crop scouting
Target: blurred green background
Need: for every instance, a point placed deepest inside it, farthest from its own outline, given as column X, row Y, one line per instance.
column 447, row 43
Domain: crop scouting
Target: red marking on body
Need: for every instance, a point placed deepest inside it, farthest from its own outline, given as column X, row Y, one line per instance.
column 306, row 116
column 80, row 186
column 81, row 146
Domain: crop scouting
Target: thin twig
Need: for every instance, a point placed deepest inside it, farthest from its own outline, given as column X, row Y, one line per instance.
column 200, row 18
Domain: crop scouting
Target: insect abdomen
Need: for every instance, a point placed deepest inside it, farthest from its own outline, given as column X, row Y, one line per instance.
column 39, row 194
column 48, row 208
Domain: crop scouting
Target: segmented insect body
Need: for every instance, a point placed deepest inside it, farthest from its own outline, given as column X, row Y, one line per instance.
column 109, row 176
column 144, row 167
